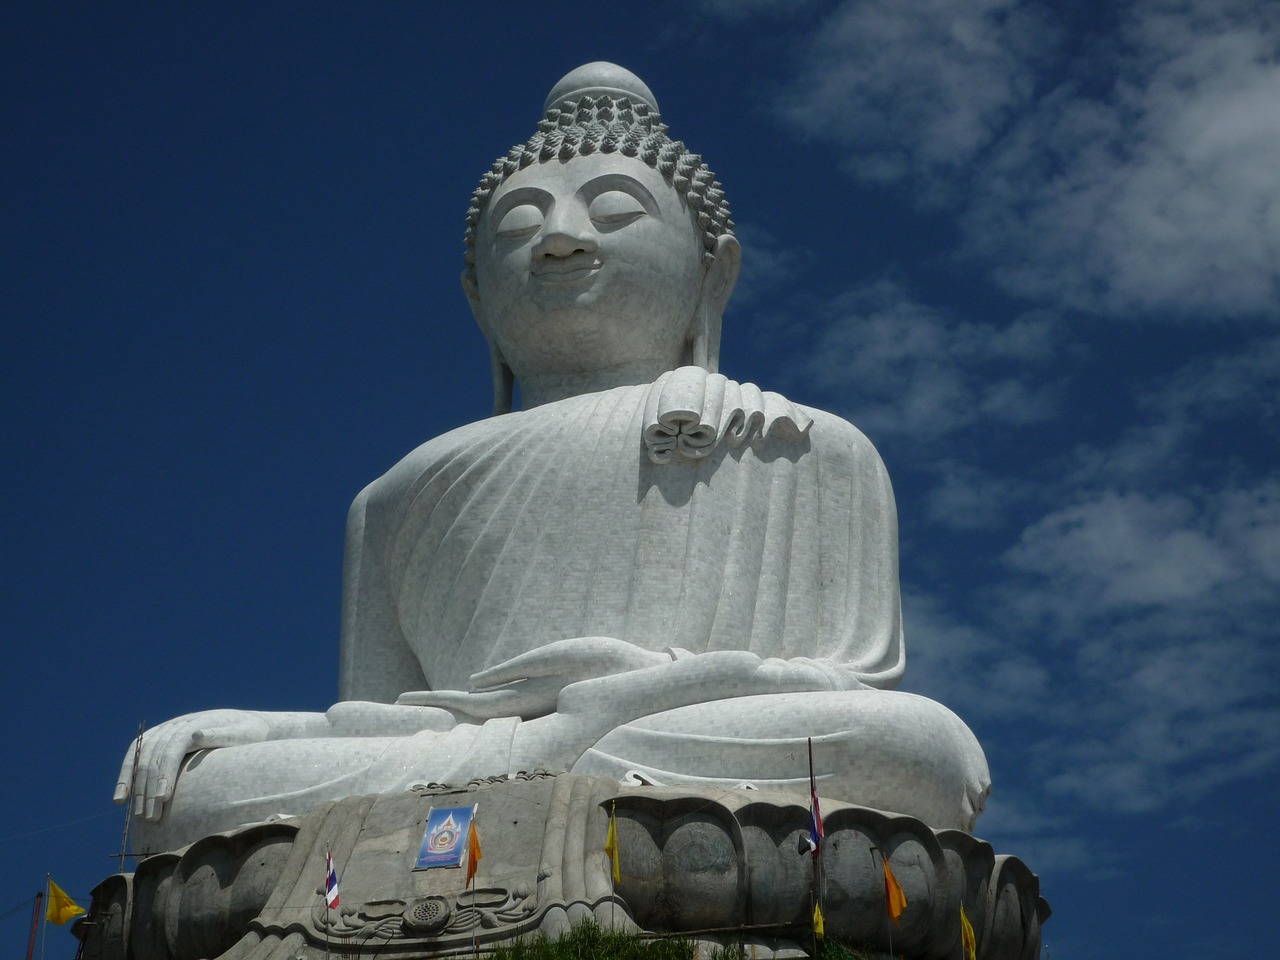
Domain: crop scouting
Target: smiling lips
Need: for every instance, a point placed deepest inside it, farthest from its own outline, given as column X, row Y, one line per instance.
column 565, row 269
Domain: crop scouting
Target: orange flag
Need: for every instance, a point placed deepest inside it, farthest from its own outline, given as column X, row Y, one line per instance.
column 473, row 851
column 894, row 898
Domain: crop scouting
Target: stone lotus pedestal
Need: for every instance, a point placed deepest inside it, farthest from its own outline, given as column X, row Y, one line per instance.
column 720, row 867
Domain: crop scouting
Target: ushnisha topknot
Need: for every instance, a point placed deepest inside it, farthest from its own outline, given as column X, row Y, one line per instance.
column 610, row 111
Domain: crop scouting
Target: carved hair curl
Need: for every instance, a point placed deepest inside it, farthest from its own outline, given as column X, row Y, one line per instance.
column 607, row 125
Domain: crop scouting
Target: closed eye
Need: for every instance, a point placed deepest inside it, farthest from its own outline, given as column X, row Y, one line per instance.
column 520, row 221
column 613, row 209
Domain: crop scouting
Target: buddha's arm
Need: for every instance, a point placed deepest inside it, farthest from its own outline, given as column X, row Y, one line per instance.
column 699, row 678
column 625, row 681
column 160, row 752
column 857, row 566
column 376, row 665
column 589, row 709
column 376, row 662
column 528, row 686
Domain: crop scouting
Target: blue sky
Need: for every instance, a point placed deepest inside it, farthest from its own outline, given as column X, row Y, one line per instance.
column 1032, row 249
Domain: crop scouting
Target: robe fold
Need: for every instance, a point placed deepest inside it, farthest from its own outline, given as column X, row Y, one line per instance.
column 689, row 516
column 693, row 514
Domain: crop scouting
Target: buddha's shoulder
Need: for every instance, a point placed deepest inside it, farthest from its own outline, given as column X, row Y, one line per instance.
column 463, row 447
column 833, row 436
column 552, row 429
column 835, row 427
column 429, row 457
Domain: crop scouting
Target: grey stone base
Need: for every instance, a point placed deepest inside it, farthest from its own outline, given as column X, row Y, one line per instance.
column 720, row 867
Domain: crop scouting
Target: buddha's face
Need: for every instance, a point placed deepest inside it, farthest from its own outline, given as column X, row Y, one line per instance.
column 587, row 265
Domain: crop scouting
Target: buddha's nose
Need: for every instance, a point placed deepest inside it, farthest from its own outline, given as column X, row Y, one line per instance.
column 564, row 233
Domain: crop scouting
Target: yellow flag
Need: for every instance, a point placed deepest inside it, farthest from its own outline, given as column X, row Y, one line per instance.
column 966, row 936
column 819, row 929
column 473, row 851
column 611, row 846
column 894, row 898
column 61, row 907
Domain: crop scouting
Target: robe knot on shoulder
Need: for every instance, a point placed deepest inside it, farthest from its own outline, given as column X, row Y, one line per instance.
column 689, row 412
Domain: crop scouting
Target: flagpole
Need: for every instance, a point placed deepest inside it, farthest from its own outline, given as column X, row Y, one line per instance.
column 814, row 883
column 128, row 805
column 44, row 927
column 473, row 867
column 888, row 920
column 35, row 920
column 328, row 910
column 813, row 927
column 613, row 891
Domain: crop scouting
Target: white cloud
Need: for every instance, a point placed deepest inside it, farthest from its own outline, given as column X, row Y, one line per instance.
column 1228, row 383
column 1234, row 393
column 1142, row 182
column 1158, row 196
column 967, row 497
column 1050, row 844
column 1132, row 643
column 1127, row 659
column 1159, row 755
column 919, row 373
column 1120, row 551
column 915, row 86
column 1164, row 607
column 947, row 654
column 768, row 264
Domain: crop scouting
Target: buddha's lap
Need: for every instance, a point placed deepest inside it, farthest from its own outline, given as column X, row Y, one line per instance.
column 891, row 750
column 894, row 751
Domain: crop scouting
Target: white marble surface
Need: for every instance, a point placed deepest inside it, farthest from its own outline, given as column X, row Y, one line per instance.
column 645, row 573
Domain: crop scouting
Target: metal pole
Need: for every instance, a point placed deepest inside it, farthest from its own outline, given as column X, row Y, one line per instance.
column 44, row 927
column 814, row 883
column 35, row 919
column 813, row 930
column 128, row 804
column 888, row 920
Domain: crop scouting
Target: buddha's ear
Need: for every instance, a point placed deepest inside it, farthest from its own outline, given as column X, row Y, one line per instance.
column 503, row 378
column 717, row 287
column 472, row 292
column 722, row 273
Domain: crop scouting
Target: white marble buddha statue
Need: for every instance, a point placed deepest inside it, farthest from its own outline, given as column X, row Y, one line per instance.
column 650, row 572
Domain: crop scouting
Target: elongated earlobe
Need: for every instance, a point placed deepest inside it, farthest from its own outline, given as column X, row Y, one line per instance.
column 503, row 378
column 704, row 345
column 503, row 382
column 717, row 287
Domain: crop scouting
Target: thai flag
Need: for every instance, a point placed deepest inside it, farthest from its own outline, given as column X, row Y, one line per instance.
column 816, row 832
column 330, row 882
column 813, row 841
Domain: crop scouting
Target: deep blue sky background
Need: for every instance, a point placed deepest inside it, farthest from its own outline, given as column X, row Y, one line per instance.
column 1032, row 249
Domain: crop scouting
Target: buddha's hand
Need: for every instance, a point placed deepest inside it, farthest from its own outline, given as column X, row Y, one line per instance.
column 529, row 685
column 162, row 749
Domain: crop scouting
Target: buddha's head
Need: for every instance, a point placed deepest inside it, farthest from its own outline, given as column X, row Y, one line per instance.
column 600, row 252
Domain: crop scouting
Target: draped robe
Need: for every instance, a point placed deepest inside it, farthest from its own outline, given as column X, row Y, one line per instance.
column 745, row 522
column 687, row 516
